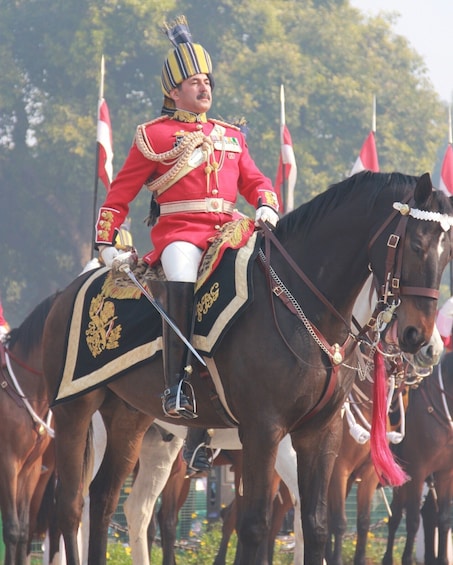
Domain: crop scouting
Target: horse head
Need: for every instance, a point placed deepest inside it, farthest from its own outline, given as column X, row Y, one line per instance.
column 418, row 249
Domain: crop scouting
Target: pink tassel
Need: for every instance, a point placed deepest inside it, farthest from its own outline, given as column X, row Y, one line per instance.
column 387, row 469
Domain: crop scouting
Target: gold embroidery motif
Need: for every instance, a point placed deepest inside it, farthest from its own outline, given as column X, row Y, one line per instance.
column 207, row 300
column 231, row 233
column 102, row 333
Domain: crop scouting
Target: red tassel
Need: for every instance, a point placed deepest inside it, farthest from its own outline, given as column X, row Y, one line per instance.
column 387, row 469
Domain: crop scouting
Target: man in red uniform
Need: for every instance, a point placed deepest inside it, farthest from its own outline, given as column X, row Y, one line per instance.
column 195, row 167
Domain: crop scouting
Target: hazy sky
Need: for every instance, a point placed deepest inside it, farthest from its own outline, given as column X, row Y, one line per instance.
column 428, row 25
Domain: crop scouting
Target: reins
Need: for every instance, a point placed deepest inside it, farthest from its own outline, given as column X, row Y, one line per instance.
column 335, row 352
column 390, row 288
column 13, row 388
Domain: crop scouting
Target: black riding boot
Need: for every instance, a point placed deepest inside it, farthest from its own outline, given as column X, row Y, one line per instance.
column 196, row 453
column 177, row 301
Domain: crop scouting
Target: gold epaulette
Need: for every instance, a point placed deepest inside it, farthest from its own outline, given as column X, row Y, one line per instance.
column 225, row 124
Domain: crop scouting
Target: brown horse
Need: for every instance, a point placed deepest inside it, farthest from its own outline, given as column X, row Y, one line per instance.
column 25, row 432
column 427, row 450
column 354, row 463
column 319, row 257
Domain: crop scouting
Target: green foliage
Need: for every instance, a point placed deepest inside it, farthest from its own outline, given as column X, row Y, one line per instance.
column 329, row 57
column 196, row 551
column 204, row 550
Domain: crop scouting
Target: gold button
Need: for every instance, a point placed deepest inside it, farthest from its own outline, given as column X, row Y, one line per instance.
column 215, row 192
column 199, row 126
column 217, row 227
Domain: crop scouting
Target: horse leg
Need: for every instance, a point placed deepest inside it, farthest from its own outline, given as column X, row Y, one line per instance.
column 396, row 508
column 28, row 481
column 172, row 499
column 337, row 519
column 316, row 454
column 429, row 517
column 40, row 502
column 444, row 496
column 365, row 491
column 72, row 422
column 414, row 495
column 125, row 430
column 282, row 503
column 286, row 467
column 155, row 463
column 10, row 519
column 228, row 515
column 258, row 494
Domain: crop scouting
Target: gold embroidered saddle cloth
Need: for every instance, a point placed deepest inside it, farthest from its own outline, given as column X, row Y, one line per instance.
column 114, row 327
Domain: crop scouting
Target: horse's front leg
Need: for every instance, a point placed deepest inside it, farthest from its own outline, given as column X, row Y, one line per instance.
column 68, row 492
column 365, row 491
column 396, row 514
column 125, row 431
column 316, row 454
column 72, row 423
column 444, row 496
column 28, row 481
column 10, row 519
column 258, row 475
column 414, row 495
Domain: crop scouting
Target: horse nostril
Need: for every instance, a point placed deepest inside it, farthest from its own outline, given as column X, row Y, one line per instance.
column 412, row 339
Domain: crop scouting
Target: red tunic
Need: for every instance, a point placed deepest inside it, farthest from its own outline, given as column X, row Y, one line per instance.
column 236, row 173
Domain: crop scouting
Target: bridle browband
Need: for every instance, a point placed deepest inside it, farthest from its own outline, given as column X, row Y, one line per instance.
column 395, row 245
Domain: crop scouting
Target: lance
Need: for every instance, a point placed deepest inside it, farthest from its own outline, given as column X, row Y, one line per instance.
column 121, row 265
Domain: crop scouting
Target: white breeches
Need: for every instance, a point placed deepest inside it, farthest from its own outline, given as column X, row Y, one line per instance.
column 180, row 261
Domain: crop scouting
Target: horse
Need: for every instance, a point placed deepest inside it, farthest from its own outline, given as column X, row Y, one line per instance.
column 394, row 224
column 160, row 472
column 25, row 433
column 163, row 441
column 426, row 454
column 354, row 464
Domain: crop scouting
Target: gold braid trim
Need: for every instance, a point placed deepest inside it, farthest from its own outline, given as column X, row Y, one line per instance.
column 177, row 156
column 225, row 124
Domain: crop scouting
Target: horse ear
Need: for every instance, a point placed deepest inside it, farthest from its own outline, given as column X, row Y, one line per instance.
column 423, row 189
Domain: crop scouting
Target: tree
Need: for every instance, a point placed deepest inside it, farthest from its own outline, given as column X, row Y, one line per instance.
column 329, row 57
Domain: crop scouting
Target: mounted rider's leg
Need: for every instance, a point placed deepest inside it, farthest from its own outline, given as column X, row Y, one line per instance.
column 196, row 452
column 180, row 262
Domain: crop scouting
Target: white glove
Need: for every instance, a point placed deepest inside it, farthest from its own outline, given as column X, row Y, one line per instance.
column 266, row 214
column 107, row 254
column 3, row 333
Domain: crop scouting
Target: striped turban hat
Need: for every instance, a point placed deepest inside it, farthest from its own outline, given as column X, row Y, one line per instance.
column 186, row 60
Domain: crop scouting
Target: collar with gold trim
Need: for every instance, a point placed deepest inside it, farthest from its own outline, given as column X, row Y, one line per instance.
column 188, row 117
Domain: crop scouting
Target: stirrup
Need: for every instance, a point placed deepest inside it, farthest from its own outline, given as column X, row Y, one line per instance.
column 193, row 469
column 181, row 411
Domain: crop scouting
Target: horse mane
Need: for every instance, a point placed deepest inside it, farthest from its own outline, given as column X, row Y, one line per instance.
column 303, row 217
column 29, row 333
